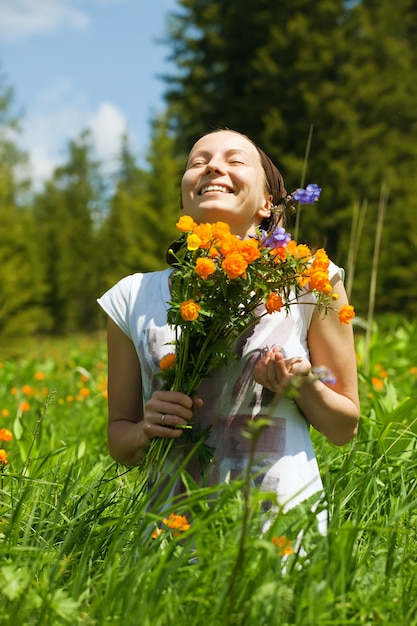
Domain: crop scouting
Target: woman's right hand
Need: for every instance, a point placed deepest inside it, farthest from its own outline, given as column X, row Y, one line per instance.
column 166, row 414
column 131, row 425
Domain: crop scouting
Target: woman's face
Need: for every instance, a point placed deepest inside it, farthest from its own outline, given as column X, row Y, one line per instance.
column 224, row 181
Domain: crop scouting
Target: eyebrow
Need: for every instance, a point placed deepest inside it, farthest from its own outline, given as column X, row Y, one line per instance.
column 229, row 152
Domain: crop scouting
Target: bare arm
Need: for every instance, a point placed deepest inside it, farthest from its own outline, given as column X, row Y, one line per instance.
column 131, row 425
column 332, row 409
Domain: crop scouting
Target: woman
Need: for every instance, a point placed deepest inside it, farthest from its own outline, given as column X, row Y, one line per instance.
column 228, row 178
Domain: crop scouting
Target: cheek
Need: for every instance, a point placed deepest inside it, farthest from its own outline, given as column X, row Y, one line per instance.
column 187, row 183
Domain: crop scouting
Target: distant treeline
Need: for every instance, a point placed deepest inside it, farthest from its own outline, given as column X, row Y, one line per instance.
column 326, row 87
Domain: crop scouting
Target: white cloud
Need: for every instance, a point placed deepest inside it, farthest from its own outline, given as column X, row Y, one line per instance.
column 107, row 125
column 20, row 19
column 59, row 115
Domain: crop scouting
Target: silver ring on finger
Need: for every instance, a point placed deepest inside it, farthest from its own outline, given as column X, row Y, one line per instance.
column 163, row 419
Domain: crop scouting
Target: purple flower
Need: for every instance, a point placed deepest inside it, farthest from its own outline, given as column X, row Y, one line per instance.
column 324, row 374
column 277, row 239
column 307, row 196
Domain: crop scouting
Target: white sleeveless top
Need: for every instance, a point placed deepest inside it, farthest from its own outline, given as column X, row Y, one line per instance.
column 285, row 460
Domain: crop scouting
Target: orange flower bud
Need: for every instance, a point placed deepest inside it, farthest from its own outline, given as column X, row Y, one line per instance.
column 3, row 456
column 167, row 361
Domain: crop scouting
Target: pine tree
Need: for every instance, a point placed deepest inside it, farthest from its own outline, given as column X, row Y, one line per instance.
column 21, row 272
column 143, row 209
column 166, row 166
column 66, row 212
column 121, row 251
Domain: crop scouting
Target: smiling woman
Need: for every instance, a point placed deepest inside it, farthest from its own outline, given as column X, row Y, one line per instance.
column 230, row 184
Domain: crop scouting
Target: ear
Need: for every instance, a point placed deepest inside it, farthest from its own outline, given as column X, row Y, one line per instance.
column 266, row 208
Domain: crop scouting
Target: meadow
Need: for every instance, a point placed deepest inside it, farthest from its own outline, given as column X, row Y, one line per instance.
column 81, row 545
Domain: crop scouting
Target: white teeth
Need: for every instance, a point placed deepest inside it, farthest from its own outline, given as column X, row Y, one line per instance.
column 214, row 188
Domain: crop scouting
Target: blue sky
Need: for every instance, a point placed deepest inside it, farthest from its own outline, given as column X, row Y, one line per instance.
column 76, row 64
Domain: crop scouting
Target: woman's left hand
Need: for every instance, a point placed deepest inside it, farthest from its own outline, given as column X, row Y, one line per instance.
column 275, row 372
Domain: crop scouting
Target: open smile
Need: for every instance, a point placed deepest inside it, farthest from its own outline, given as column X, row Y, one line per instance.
column 215, row 188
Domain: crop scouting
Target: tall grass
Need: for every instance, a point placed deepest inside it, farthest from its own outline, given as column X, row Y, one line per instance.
column 77, row 544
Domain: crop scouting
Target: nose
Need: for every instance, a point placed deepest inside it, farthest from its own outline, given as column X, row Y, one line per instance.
column 215, row 164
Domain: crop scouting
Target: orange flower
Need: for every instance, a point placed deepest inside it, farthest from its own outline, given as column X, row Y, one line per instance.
column 193, row 242
column 279, row 254
column 27, row 390
column 3, row 456
column 185, row 224
column 303, row 278
column 189, row 310
column 284, row 545
column 381, row 371
column 177, row 522
column 204, row 267
column 228, row 244
column 249, row 249
column 273, row 302
column 5, row 412
column 24, row 406
column 167, row 361
column 84, row 392
column 321, row 259
column 298, row 251
column 5, row 435
column 204, row 232
column 39, row 376
column 213, row 252
column 319, row 280
column 346, row 313
column 234, row 265
column 377, row 383
column 157, row 532
column 220, row 230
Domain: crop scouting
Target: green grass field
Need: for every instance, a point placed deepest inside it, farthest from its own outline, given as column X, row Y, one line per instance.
column 79, row 541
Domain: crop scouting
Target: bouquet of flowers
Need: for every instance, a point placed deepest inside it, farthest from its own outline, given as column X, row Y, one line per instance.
column 222, row 285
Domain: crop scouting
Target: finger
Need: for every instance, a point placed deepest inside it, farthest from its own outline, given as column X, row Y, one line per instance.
column 153, row 431
column 174, row 397
column 197, row 403
column 299, row 366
